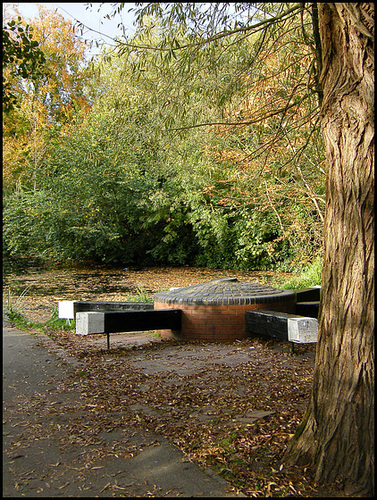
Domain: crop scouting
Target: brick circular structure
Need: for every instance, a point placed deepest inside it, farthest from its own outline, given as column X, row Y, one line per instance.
column 215, row 311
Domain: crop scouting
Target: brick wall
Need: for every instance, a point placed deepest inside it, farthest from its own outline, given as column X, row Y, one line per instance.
column 220, row 323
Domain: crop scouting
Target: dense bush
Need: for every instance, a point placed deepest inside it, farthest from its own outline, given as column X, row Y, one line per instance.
column 116, row 188
column 110, row 196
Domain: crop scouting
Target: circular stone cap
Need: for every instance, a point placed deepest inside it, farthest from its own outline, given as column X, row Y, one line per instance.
column 228, row 291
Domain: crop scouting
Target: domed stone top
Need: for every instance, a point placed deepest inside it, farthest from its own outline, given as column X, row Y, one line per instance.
column 224, row 291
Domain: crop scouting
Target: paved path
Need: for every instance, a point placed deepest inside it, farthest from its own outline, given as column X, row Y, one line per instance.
column 43, row 467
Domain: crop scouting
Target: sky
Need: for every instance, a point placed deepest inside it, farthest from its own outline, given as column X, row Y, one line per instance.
column 90, row 17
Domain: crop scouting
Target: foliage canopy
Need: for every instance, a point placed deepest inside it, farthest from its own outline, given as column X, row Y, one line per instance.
column 203, row 149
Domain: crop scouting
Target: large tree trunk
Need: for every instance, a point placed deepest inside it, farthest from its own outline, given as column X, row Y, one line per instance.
column 337, row 432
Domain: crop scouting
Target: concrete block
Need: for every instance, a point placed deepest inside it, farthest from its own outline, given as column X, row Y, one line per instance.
column 302, row 330
column 90, row 322
column 66, row 309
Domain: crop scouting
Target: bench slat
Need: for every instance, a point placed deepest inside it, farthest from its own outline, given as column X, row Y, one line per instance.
column 313, row 293
column 310, row 309
column 69, row 308
column 133, row 321
column 91, row 322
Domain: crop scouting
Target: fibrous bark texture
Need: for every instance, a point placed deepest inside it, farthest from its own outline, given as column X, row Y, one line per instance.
column 337, row 433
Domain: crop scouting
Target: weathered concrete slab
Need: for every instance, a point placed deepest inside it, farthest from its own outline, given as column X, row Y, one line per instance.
column 302, row 330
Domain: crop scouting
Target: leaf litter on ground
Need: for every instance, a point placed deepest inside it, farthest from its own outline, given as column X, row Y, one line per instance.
column 236, row 418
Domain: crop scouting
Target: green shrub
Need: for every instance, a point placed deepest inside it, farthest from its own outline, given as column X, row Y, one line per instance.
column 310, row 277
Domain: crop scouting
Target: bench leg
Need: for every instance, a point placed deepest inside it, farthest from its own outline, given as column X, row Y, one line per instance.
column 108, row 340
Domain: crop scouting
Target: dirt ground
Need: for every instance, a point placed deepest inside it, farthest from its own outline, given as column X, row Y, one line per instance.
column 232, row 407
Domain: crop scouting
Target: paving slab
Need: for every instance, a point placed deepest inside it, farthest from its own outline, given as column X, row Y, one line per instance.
column 43, row 467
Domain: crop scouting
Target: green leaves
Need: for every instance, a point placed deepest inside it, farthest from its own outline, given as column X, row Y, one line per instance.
column 22, row 57
column 193, row 152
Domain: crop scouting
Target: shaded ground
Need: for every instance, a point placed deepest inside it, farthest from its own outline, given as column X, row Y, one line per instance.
column 53, row 447
column 231, row 407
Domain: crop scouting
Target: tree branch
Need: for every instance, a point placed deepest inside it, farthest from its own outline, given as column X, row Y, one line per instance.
column 238, row 124
column 218, row 36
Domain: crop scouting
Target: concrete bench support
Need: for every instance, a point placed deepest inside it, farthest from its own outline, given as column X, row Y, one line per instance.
column 91, row 322
column 283, row 326
column 69, row 308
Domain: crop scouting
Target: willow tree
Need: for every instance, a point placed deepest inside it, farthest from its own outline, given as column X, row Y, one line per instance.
column 337, row 433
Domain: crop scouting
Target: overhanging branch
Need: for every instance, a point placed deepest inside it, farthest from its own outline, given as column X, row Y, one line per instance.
column 218, row 36
column 242, row 123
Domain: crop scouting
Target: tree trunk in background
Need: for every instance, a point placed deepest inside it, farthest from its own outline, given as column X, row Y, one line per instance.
column 337, row 432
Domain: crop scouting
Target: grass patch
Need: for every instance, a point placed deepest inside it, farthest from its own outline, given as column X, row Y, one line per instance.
column 18, row 319
column 56, row 323
column 309, row 278
column 15, row 315
column 141, row 295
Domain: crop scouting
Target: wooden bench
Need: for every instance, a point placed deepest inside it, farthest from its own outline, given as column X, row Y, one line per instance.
column 308, row 294
column 310, row 308
column 90, row 322
column 282, row 326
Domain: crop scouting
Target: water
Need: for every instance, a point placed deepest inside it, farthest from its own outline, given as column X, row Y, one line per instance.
column 97, row 281
column 36, row 291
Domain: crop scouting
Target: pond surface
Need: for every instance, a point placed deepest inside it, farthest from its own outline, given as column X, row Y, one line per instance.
column 40, row 289
column 99, row 280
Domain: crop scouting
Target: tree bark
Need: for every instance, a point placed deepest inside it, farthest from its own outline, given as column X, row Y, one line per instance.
column 337, row 432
